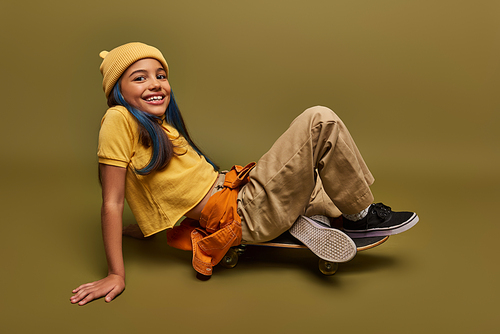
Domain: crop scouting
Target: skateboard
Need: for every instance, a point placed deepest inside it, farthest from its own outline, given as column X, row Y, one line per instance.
column 286, row 240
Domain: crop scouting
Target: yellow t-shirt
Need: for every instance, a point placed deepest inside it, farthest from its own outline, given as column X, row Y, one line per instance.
column 160, row 199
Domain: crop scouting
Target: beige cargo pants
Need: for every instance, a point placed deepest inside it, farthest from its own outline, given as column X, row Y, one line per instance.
column 313, row 168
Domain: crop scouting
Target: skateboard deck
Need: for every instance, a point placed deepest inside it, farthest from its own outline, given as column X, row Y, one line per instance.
column 286, row 240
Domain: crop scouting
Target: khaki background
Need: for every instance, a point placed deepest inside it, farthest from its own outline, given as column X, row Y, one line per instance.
column 417, row 83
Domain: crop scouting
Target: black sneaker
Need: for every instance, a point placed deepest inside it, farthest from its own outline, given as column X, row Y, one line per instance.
column 327, row 243
column 380, row 221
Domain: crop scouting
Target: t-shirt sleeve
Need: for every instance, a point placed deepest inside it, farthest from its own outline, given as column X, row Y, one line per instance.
column 116, row 139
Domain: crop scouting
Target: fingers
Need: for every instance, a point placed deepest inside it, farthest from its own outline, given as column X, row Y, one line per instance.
column 85, row 295
column 88, row 298
column 88, row 292
column 85, row 286
column 82, row 286
column 111, row 295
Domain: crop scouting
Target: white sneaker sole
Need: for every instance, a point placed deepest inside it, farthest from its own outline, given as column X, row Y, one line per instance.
column 327, row 243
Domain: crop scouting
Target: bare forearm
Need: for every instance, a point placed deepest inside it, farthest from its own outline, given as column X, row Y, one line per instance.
column 111, row 217
column 114, row 283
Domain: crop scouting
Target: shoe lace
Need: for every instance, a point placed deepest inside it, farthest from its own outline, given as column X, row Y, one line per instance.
column 381, row 210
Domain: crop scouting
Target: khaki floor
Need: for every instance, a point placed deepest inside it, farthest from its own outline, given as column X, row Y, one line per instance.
column 417, row 83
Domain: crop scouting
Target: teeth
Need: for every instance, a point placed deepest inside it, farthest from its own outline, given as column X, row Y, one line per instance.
column 154, row 98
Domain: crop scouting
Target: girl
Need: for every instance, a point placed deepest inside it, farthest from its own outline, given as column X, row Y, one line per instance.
column 147, row 156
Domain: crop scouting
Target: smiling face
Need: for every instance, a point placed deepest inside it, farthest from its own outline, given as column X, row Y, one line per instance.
column 144, row 86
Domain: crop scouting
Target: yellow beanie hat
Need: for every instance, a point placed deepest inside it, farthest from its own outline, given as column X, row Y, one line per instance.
column 116, row 61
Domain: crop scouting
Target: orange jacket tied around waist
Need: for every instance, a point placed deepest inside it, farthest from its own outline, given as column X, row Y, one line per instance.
column 219, row 227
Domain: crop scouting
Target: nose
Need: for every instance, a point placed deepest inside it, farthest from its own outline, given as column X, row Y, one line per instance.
column 155, row 84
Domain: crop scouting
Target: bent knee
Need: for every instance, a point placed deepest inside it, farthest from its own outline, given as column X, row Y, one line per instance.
column 319, row 114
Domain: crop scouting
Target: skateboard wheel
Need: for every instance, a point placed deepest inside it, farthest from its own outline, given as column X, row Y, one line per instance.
column 230, row 259
column 328, row 268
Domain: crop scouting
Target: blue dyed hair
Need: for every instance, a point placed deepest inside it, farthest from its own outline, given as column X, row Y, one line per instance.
column 153, row 135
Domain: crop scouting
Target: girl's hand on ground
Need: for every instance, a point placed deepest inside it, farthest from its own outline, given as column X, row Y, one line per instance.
column 110, row 286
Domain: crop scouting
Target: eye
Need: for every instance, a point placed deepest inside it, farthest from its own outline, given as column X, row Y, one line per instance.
column 140, row 78
column 161, row 76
